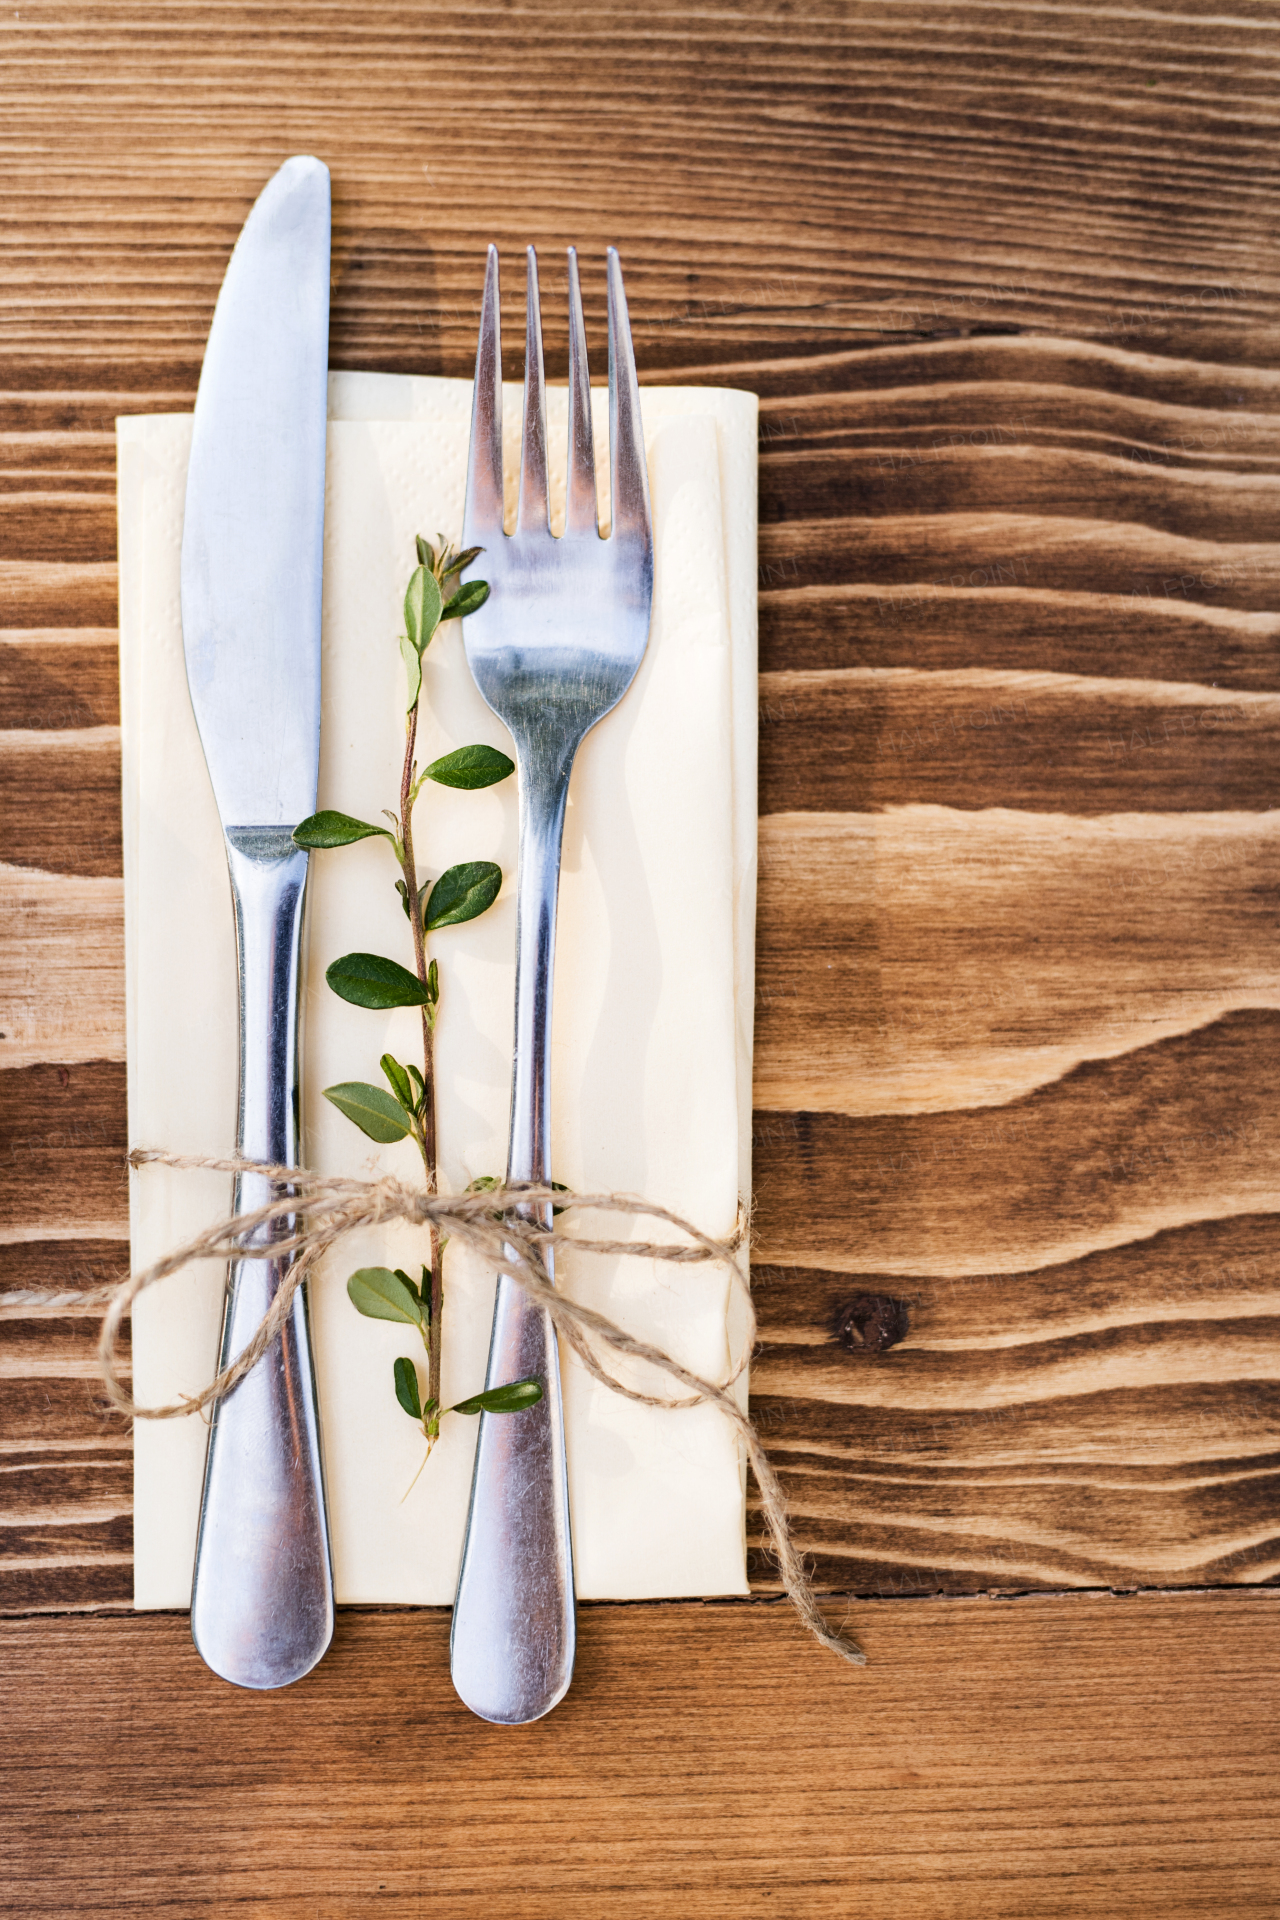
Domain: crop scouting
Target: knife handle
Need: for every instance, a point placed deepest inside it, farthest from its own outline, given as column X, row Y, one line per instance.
column 262, row 1595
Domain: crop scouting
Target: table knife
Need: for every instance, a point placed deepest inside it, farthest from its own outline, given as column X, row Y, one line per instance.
column 262, row 1595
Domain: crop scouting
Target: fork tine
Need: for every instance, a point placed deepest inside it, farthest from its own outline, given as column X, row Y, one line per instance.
column 581, row 514
column 532, row 517
column 483, row 516
column 629, row 476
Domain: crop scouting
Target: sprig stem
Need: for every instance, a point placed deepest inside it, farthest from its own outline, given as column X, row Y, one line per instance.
column 427, row 1135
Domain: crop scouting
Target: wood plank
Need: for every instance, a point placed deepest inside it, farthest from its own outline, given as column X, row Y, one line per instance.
column 53, row 1415
column 1150, row 394
column 1010, row 389
column 68, row 1584
column 1051, row 553
column 52, row 822
column 1114, row 1151
column 67, row 1267
column 86, row 460
column 1107, row 1421
column 66, row 1463
column 1128, row 158
column 66, row 678
column 58, row 593
column 930, row 960
column 67, row 524
column 41, row 408
column 1213, row 1272
column 63, row 1140
column 70, row 1540
column 993, row 474
column 42, row 1346
column 61, row 967
column 968, row 435
column 858, row 739
column 1165, row 635
column 1013, row 1529
column 708, row 1761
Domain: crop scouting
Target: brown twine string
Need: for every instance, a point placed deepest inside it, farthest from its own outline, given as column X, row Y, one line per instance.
column 324, row 1208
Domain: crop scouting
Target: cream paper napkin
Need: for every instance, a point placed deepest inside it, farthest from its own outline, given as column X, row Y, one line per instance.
column 653, row 992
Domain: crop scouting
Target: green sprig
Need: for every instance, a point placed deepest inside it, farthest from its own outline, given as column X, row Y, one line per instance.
column 371, row 980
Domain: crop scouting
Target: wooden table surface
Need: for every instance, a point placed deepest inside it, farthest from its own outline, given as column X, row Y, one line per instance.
column 1005, row 280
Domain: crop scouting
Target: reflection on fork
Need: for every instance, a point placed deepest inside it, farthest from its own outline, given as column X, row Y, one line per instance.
column 553, row 649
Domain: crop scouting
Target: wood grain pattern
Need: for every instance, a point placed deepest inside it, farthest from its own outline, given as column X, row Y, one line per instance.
column 37, row 593
column 983, row 1450
column 61, row 967
column 1006, row 628
column 994, row 1759
column 955, row 959
column 1037, row 948
column 1004, row 280
column 47, row 823
column 63, row 1139
column 779, row 181
column 855, row 740
column 1116, row 1150
column 62, row 679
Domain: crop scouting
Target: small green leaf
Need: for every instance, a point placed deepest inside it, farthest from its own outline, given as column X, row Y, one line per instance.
column 407, row 1388
column 512, row 1398
column 489, row 1183
column 421, row 1291
column 486, row 1183
column 412, row 672
column 433, row 985
column 462, row 893
column 379, row 1294
column 400, row 1084
column 373, row 1111
column 459, row 561
column 329, row 829
column 419, row 1087
column 471, row 767
column 367, row 980
column 424, row 1293
column 426, row 553
column 422, row 607
column 468, row 599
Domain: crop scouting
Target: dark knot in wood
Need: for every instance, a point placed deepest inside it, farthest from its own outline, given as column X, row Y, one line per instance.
column 871, row 1322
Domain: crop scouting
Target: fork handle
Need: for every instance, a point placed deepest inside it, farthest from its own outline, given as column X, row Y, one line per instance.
column 513, row 1636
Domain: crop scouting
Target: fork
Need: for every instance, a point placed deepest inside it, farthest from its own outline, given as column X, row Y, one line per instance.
column 553, row 649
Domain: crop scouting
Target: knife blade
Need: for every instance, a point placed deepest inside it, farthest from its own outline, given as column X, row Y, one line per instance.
column 252, row 551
